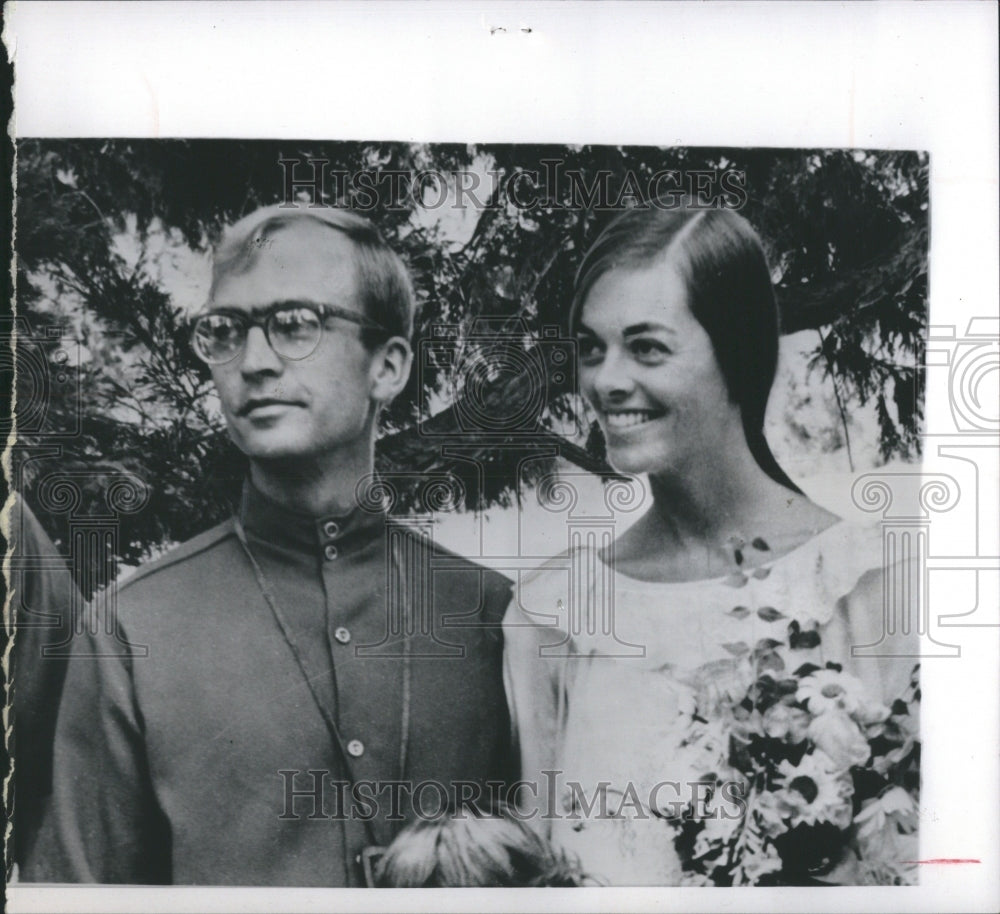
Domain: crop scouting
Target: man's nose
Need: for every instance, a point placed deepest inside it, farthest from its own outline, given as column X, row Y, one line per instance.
column 258, row 356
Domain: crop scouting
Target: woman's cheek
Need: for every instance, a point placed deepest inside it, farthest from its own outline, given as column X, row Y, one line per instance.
column 587, row 386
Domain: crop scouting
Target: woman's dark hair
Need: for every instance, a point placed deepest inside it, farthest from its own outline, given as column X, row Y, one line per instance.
column 472, row 848
column 722, row 262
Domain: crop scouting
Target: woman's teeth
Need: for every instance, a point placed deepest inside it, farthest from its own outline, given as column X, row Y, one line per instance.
column 627, row 419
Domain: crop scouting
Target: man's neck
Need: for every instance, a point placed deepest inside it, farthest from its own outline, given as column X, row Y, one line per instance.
column 316, row 486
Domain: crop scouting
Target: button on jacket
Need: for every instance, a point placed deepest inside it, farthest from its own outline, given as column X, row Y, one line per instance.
column 202, row 756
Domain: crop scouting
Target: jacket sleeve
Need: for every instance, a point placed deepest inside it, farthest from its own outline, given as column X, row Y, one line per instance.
column 103, row 824
column 43, row 599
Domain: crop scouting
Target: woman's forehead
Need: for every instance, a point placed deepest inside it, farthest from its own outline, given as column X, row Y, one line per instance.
column 628, row 296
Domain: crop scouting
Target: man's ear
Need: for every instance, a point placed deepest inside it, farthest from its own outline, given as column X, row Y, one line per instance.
column 391, row 363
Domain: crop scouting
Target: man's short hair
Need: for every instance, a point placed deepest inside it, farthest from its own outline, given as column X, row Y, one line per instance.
column 383, row 280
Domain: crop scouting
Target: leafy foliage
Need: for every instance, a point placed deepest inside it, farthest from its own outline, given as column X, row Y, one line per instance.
column 846, row 232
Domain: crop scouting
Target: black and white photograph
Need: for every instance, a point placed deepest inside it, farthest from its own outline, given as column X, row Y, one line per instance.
column 605, row 516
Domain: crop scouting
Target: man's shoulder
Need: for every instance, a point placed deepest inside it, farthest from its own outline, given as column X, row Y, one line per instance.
column 457, row 578
column 175, row 566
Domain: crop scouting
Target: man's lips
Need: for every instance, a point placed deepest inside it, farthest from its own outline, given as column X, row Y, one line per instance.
column 259, row 403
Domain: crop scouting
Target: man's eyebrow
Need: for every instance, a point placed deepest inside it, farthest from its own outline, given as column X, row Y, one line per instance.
column 265, row 309
column 290, row 303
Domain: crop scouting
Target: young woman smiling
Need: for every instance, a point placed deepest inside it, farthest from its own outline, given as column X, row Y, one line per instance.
column 732, row 573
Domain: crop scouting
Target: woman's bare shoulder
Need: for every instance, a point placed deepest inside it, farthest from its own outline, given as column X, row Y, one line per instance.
column 791, row 519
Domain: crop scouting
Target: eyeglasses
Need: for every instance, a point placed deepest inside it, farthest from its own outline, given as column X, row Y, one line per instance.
column 293, row 329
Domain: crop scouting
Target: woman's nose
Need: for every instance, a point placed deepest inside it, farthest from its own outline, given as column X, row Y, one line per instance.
column 258, row 356
column 611, row 381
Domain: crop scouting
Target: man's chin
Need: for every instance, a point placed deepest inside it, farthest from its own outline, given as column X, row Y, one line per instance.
column 267, row 447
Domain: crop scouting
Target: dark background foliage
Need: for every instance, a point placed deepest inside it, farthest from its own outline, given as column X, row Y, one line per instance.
column 846, row 232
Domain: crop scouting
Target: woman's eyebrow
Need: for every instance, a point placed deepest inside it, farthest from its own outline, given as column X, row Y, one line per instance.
column 647, row 327
column 632, row 330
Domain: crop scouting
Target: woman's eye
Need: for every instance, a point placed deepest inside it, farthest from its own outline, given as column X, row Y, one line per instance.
column 589, row 350
column 648, row 350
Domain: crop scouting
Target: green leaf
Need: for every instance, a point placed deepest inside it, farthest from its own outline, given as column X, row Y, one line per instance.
column 770, row 614
column 771, row 661
column 737, row 648
column 767, row 644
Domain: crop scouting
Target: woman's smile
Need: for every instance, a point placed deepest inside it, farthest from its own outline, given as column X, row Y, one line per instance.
column 649, row 369
column 623, row 419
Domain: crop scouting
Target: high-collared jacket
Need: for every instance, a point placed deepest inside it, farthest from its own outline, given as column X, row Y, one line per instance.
column 190, row 747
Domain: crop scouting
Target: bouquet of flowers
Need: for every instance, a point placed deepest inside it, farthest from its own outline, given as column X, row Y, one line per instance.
column 807, row 780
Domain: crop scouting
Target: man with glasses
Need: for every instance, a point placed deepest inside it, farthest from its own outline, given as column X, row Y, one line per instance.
column 282, row 677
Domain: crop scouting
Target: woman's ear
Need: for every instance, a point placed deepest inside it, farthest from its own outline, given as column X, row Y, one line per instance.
column 390, row 370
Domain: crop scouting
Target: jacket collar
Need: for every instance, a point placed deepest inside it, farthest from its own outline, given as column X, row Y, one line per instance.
column 274, row 523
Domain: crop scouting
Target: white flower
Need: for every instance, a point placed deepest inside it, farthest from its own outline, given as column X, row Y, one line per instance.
column 782, row 721
column 871, row 715
column 829, row 690
column 887, row 839
column 704, row 751
column 901, row 728
column 756, row 865
column 717, row 833
column 893, row 811
column 840, row 738
column 696, row 880
column 771, row 812
column 717, row 686
column 815, row 790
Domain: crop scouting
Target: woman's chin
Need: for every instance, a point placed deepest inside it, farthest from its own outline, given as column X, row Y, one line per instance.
column 637, row 461
column 631, row 460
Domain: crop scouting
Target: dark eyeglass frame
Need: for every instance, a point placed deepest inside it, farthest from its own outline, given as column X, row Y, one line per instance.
column 263, row 318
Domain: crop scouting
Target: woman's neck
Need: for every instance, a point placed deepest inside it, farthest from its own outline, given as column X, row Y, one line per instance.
column 706, row 505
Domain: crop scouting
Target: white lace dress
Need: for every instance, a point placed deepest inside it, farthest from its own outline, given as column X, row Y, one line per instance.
column 604, row 672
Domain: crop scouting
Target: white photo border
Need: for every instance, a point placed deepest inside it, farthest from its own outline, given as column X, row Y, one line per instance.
column 897, row 75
